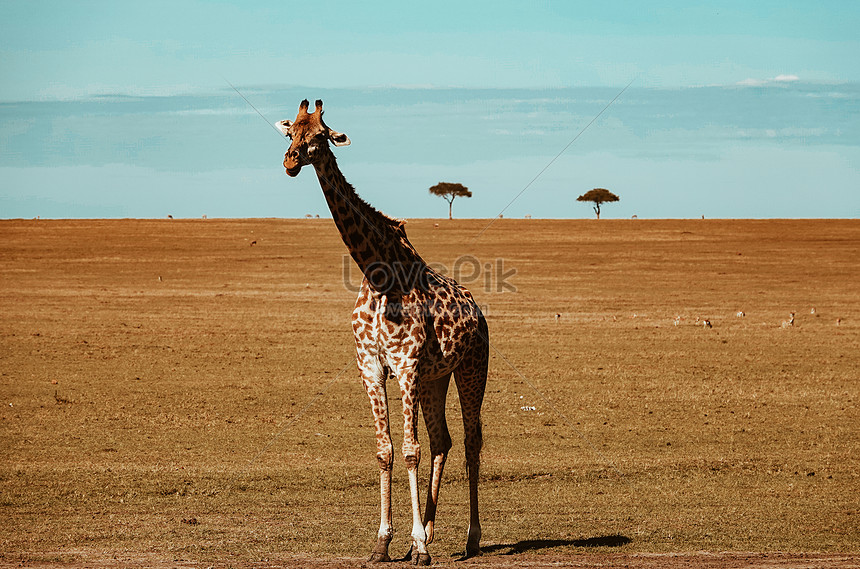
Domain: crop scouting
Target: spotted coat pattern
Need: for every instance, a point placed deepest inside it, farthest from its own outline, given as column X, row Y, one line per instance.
column 410, row 323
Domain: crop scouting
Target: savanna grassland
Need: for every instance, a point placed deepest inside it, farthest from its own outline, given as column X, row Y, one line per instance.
column 183, row 392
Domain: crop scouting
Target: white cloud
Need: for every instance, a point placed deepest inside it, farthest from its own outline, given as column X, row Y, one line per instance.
column 751, row 82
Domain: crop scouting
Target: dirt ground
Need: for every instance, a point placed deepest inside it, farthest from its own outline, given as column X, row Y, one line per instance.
column 182, row 393
column 698, row 560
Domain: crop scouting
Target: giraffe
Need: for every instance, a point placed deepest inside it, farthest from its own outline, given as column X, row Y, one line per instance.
column 410, row 323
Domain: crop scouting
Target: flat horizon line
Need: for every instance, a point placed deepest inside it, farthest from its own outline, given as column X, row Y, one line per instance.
column 436, row 219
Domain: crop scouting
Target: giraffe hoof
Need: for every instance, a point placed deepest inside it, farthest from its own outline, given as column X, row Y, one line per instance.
column 379, row 557
column 422, row 559
column 472, row 552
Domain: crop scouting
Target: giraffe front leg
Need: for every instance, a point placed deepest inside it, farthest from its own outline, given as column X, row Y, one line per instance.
column 385, row 458
column 412, row 457
column 386, row 531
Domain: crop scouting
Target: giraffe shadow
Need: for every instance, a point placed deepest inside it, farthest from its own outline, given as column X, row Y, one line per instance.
column 539, row 544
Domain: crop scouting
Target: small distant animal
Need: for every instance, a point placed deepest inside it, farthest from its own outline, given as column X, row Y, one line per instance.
column 253, row 243
column 740, row 314
column 169, row 216
column 557, row 316
column 677, row 320
column 204, row 216
column 838, row 321
column 707, row 323
column 435, row 225
column 789, row 322
column 528, row 216
column 812, row 311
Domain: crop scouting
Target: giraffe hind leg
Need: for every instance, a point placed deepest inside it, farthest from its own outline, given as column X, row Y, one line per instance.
column 432, row 395
column 471, row 382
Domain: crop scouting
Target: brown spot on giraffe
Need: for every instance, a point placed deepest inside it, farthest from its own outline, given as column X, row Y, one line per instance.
column 410, row 323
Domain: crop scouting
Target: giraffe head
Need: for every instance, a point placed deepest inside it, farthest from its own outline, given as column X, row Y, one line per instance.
column 309, row 135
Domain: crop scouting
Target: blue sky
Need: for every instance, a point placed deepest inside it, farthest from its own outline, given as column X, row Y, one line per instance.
column 64, row 49
column 111, row 108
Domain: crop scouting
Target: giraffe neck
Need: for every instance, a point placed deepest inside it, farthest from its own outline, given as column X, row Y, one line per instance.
column 376, row 242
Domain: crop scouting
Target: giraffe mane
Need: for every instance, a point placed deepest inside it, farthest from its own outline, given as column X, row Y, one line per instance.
column 391, row 222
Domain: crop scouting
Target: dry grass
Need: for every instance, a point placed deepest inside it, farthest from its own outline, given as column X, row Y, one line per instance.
column 181, row 417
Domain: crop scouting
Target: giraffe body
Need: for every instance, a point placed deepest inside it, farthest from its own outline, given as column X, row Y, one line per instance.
column 410, row 323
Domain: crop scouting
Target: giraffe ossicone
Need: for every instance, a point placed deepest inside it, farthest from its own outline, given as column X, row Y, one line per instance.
column 412, row 324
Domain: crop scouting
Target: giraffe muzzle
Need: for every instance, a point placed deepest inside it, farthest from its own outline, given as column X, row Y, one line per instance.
column 292, row 164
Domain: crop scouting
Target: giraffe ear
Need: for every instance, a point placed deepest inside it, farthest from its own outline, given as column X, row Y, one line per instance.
column 338, row 138
column 284, row 127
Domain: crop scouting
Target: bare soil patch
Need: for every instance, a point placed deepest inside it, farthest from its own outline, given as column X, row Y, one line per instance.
column 697, row 560
column 182, row 393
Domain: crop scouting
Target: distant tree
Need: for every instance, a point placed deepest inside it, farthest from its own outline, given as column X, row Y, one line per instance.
column 449, row 191
column 598, row 196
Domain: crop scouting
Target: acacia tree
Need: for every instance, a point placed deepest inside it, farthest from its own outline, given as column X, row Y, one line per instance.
column 598, row 196
column 449, row 191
